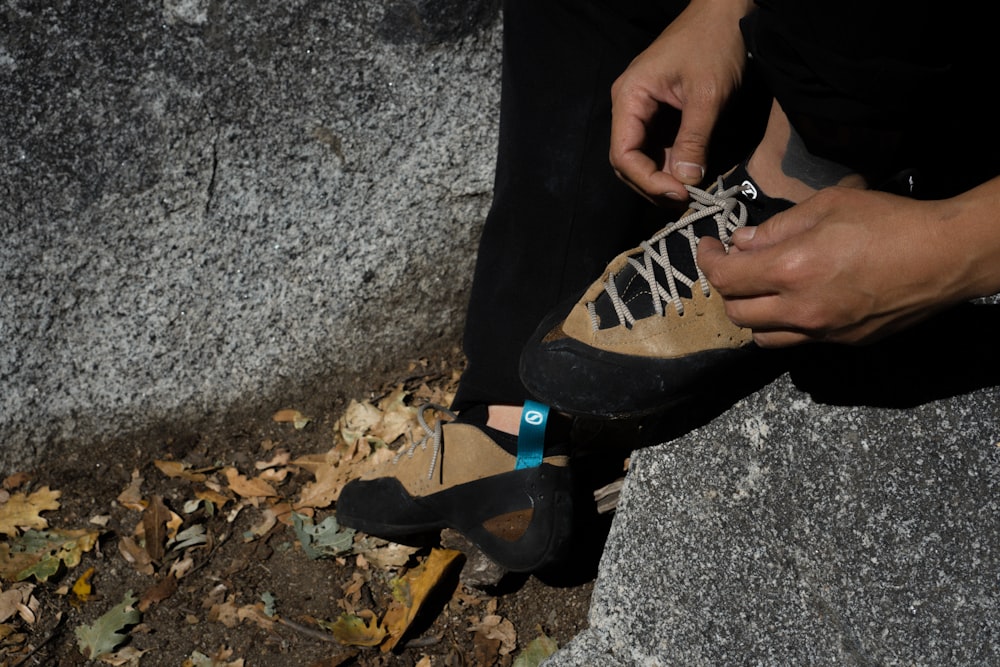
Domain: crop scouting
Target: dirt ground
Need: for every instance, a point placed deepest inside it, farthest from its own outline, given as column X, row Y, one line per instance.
column 219, row 574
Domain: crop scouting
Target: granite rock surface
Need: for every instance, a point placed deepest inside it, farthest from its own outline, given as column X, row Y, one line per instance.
column 844, row 512
column 211, row 204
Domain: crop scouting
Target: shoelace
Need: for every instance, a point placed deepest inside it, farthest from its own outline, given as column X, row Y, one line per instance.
column 729, row 213
column 432, row 434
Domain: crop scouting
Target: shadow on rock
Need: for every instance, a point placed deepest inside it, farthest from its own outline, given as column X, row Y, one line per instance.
column 435, row 21
column 951, row 354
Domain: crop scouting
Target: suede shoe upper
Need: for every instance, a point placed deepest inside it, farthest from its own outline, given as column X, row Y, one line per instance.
column 651, row 328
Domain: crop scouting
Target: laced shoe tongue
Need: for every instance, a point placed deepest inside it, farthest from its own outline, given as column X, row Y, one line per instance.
column 635, row 291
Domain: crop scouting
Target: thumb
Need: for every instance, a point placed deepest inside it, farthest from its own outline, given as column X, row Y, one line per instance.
column 688, row 154
column 776, row 229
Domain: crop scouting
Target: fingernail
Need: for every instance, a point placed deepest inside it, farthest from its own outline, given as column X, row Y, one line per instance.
column 746, row 233
column 689, row 171
column 673, row 195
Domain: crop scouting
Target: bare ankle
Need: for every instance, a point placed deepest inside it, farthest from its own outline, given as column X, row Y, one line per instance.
column 783, row 167
column 506, row 418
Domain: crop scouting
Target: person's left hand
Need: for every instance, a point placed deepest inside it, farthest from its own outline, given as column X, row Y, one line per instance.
column 845, row 265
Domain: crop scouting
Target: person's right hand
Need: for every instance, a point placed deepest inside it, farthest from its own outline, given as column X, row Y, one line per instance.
column 694, row 66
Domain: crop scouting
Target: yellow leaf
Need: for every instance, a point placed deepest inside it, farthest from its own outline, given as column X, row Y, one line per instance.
column 354, row 631
column 411, row 590
column 82, row 589
column 22, row 511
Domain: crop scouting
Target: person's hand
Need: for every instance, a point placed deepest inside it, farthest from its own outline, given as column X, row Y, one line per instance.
column 851, row 266
column 693, row 66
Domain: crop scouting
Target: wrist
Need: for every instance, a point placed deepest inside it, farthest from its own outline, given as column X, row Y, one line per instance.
column 970, row 223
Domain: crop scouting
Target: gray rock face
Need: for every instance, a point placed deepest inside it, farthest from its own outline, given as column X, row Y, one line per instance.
column 844, row 514
column 207, row 203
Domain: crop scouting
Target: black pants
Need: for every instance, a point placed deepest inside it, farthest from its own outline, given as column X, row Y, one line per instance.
column 559, row 214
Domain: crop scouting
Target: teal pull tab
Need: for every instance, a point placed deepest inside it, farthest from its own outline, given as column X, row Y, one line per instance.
column 531, row 436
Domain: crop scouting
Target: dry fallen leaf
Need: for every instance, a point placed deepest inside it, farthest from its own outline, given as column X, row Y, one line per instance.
column 247, row 487
column 154, row 524
column 179, row 469
column 131, row 496
column 158, row 592
column 16, row 481
column 359, row 418
column 129, row 656
column 411, row 590
column 398, row 418
column 267, row 521
column 382, row 553
column 496, row 628
column 331, row 478
column 22, row 511
column 352, row 593
column 15, row 601
column 355, row 630
column 225, row 612
column 280, row 458
column 42, row 554
column 294, row 417
column 218, row 659
column 135, row 555
column 213, row 496
column 181, row 567
column 231, row 615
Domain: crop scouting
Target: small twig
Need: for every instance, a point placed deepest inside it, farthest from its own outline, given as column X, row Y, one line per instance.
column 55, row 631
column 208, row 557
column 423, row 642
column 315, row 634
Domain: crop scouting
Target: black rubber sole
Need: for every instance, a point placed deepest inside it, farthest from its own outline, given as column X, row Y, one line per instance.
column 587, row 382
column 382, row 507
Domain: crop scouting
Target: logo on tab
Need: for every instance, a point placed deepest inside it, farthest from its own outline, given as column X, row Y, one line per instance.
column 534, row 417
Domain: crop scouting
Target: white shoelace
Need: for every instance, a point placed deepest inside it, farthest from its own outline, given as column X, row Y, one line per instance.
column 433, row 434
column 729, row 213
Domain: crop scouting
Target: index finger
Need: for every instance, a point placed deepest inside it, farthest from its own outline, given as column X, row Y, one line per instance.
column 629, row 134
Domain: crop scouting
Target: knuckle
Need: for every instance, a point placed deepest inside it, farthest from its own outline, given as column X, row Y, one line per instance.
column 795, row 268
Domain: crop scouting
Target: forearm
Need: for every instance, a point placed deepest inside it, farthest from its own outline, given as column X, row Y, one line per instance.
column 970, row 229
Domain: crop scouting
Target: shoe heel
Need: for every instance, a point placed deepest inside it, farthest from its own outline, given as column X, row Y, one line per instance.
column 544, row 493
